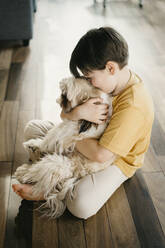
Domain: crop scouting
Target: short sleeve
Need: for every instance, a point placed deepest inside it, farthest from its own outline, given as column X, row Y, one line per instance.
column 125, row 128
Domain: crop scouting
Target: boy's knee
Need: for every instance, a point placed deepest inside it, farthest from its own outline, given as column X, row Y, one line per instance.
column 30, row 124
column 81, row 208
column 37, row 128
column 85, row 202
column 30, row 129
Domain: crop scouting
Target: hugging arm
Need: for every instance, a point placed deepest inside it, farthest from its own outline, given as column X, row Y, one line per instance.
column 91, row 149
column 93, row 110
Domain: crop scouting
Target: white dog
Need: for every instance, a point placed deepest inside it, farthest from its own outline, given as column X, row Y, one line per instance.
column 57, row 165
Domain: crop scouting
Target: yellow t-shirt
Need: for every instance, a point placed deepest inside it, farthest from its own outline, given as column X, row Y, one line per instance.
column 129, row 130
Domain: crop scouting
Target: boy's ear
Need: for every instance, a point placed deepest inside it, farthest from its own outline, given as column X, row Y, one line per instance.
column 111, row 67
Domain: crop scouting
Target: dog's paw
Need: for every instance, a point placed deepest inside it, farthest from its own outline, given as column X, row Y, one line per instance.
column 33, row 150
column 32, row 143
column 24, row 174
column 34, row 154
column 21, row 172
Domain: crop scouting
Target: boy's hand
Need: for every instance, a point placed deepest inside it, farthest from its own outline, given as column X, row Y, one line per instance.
column 93, row 110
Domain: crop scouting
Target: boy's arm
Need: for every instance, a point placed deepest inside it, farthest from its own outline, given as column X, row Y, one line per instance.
column 91, row 149
column 93, row 110
column 74, row 115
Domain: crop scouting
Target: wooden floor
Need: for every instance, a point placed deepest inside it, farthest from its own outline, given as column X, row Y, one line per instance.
column 135, row 215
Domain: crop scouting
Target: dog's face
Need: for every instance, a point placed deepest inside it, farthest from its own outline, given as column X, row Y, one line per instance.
column 75, row 91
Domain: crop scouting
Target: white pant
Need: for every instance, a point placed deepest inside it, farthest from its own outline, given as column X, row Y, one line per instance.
column 92, row 191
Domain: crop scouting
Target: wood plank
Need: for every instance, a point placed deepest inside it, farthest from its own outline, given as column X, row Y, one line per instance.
column 4, row 75
column 143, row 211
column 158, row 15
column 19, row 222
column 97, row 230
column 8, row 126
column 20, row 54
column 161, row 160
column 47, row 227
column 20, row 155
column 48, row 110
column 15, row 82
column 21, row 85
column 5, row 58
column 157, row 138
column 151, row 163
column 5, row 172
column 157, row 193
column 121, row 222
column 160, row 113
column 70, row 231
column 1, row 105
column 28, row 90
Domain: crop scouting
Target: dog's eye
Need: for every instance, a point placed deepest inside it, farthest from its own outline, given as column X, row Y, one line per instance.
column 84, row 97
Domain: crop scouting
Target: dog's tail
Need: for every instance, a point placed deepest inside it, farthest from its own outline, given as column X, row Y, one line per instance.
column 52, row 207
column 55, row 203
column 53, row 176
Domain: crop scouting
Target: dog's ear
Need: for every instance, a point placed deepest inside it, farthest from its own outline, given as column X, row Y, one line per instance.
column 69, row 88
column 74, row 90
column 84, row 126
column 63, row 85
column 64, row 101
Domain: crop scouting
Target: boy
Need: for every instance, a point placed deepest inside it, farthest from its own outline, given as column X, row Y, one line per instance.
column 101, row 55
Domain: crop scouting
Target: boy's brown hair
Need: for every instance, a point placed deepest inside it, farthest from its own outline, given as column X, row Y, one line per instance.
column 96, row 48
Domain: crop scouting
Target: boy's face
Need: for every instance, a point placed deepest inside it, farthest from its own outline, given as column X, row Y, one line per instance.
column 102, row 79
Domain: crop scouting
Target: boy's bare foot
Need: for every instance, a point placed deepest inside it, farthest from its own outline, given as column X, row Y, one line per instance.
column 25, row 192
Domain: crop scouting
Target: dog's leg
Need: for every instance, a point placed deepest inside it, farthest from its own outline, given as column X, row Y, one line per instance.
column 32, row 146
column 52, row 207
column 46, row 173
column 55, row 203
column 60, row 138
column 52, row 177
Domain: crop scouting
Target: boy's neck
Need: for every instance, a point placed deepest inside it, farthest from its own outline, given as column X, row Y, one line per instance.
column 123, row 78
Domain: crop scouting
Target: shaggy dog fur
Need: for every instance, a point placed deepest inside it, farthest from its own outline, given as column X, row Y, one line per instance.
column 57, row 166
